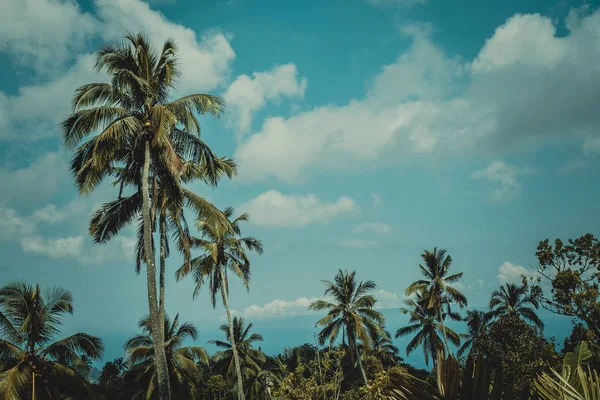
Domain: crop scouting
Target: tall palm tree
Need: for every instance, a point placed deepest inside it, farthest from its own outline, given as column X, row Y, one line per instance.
column 516, row 300
column 425, row 322
column 184, row 372
column 223, row 249
column 351, row 309
column 33, row 365
column 477, row 322
column 437, row 286
column 136, row 126
column 238, row 338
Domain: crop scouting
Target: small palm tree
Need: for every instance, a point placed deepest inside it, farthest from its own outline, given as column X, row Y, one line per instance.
column 516, row 300
column 223, row 249
column 477, row 322
column 384, row 350
column 351, row 309
column 436, row 288
column 251, row 359
column 425, row 322
column 31, row 364
column 184, row 372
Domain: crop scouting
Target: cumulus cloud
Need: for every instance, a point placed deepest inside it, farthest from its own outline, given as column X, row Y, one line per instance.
column 512, row 273
column 279, row 308
column 247, row 95
column 34, row 183
column 71, row 246
column 204, row 61
column 13, row 225
column 49, row 214
column 505, row 176
column 375, row 227
column 44, row 34
column 427, row 103
column 387, row 299
column 274, row 209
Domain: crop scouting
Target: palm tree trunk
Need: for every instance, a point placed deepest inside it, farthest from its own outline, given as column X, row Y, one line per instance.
column 236, row 359
column 33, row 386
column 443, row 331
column 354, row 347
column 163, row 256
column 164, row 390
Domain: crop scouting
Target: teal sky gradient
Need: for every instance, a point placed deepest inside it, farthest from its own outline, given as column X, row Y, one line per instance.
column 400, row 125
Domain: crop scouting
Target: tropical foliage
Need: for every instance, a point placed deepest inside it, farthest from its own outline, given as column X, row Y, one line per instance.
column 350, row 310
column 182, row 361
column 32, row 362
column 130, row 130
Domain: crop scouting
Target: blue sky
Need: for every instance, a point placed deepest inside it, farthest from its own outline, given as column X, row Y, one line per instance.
column 365, row 132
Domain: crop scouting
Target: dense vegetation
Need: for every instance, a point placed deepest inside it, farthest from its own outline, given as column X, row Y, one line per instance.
column 131, row 132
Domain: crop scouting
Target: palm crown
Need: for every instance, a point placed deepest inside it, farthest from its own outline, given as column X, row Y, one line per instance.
column 181, row 360
column 427, row 326
column 31, row 362
column 223, row 246
column 516, row 300
column 351, row 309
column 251, row 358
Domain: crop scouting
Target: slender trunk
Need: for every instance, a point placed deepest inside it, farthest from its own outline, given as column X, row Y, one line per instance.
column 443, row 331
column 33, row 386
column 360, row 365
column 156, row 325
column 236, row 359
column 354, row 347
column 163, row 257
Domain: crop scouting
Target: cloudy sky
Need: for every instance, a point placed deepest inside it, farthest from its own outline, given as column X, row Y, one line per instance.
column 365, row 132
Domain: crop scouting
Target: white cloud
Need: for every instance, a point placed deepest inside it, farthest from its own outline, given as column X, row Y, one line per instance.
column 376, row 227
column 29, row 114
column 386, row 299
column 512, row 273
column 247, row 95
column 506, row 176
column 71, row 246
column 377, row 199
column 49, row 214
column 44, row 33
column 13, row 225
column 279, row 308
column 429, row 104
column 274, row 209
column 35, row 182
column 480, row 282
column 204, row 62
column 463, row 287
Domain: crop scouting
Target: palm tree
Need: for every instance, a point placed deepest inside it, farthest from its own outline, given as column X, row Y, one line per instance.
column 516, row 300
column 384, row 350
column 182, row 360
column 32, row 364
column 223, row 249
column 238, row 338
column 137, row 128
column 436, row 286
column 425, row 322
column 351, row 309
column 477, row 322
